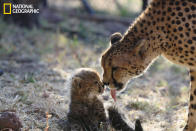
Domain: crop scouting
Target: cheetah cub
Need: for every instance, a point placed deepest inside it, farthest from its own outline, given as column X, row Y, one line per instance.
column 86, row 110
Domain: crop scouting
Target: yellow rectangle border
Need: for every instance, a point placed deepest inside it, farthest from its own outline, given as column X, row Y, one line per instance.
column 7, row 13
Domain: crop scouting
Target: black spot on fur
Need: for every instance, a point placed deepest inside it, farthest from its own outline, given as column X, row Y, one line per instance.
column 190, row 41
column 193, row 106
column 191, row 98
column 195, row 92
column 192, row 78
column 186, row 9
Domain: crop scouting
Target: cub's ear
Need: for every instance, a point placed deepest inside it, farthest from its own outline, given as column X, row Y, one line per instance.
column 141, row 47
column 76, row 82
column 115, row 37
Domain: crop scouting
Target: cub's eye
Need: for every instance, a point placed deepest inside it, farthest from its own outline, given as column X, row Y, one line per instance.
column 97, row 83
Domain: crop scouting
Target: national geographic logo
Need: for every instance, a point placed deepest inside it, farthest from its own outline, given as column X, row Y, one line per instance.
column 9, row 8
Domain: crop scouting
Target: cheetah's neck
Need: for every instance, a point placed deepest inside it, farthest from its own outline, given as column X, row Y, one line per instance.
column 149, row 27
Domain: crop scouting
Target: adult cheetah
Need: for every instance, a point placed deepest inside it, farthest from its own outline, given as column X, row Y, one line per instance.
column 167, row 28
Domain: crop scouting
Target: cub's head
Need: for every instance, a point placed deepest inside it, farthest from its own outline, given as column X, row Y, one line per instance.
column 123, row 60
column 86, row 82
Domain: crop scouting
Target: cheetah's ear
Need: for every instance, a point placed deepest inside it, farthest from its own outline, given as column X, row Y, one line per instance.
column 141, row 47
column 76, row 82
column 115, row 37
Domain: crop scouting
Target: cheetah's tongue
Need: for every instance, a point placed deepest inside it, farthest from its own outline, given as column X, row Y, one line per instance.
column 113, row 94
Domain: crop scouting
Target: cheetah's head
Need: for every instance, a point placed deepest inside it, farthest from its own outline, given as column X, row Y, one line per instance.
column 122, row 61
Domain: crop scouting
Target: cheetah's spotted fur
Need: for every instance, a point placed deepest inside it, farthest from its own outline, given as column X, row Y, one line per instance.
column 167, row 28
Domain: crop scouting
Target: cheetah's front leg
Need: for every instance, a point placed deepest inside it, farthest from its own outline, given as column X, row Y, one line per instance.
column 191, row 123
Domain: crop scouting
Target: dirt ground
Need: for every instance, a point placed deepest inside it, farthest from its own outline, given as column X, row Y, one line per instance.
column 36, row 64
